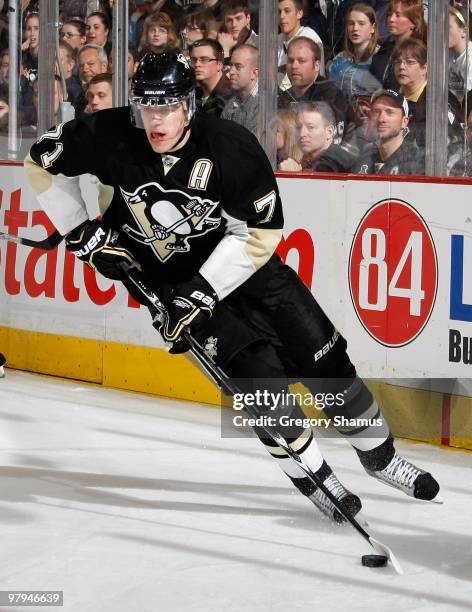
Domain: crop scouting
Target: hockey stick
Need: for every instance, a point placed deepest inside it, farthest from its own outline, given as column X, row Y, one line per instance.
column 223, row 381
column 47, row 244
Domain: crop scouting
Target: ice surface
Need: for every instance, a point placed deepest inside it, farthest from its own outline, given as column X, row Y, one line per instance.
column 128, row 503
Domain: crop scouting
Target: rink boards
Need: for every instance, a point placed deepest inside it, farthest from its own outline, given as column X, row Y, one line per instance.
column 387, row 259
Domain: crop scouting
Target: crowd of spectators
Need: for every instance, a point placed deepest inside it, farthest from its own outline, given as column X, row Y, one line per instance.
column 352, row 75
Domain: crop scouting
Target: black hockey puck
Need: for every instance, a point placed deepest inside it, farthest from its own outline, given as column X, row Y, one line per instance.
column 374, row 560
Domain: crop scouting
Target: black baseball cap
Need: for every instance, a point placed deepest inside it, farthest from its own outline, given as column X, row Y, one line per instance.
column 398, row 98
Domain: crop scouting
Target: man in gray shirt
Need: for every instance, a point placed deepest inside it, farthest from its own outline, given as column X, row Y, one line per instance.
column 242, row 107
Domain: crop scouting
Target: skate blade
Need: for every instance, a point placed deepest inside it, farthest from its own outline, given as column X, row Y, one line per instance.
column 438, row 499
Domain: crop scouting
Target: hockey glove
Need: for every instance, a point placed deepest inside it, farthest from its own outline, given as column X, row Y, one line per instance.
column 97, row 245
column 191, row 304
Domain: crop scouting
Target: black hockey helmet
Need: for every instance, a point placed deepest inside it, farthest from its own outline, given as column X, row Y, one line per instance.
column 162, row 79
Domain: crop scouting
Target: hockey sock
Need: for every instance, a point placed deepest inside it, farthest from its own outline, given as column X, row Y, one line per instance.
column 305, row 446
column 360, row 421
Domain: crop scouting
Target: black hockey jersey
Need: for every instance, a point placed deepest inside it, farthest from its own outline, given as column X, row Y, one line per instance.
column 212, row 206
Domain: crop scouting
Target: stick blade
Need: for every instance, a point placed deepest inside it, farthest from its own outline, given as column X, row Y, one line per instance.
column 385, row 550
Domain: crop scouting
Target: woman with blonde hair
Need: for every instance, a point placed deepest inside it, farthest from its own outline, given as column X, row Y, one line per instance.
column 287, row 139
column 158, row 34
column 350, row 68
column 405, row 19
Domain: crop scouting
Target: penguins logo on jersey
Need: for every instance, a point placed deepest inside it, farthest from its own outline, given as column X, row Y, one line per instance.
column 167, row 219
column 210, row 347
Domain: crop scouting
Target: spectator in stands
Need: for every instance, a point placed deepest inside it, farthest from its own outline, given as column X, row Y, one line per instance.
column 390, row 153
column 97, row 29
column 197, row 26
column 405, row 19
column 381, row 10
column 28, row 7
column 73, row 32
column 409, row 60
column 215, row 6
column 410, row 63
column 303, row 69
column 356, row 133
column 99, row 93
column 287, row 142
column 67, row 62
column 158, row 34
column 31, row 120
column 27, row 78
column 462, row 164
column 133, row 60
column 236, row 26
column 92, row 60
column 315, row 16
column 4, row 66
column 148, row 7
column 73, row 9
column 316, row 128
column 290, row 18
column 30, row 45
column 4, row 110
column 213, row 88
column 350, row 68
column 242, row 107
column 460, row 54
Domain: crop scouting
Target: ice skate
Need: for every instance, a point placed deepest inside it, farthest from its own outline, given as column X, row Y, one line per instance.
column 349, row 501
column 2, row 363
column 403, row 475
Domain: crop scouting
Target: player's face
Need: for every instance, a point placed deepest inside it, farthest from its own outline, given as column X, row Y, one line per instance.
column 398, row 23
column 95, row 31
column 235, row 22
column 32, row 32
column 242, row 73
column 302, row 69
column 409, row 72
column 99, row 96
column 204, row 63
column 359, row 29
column 387, row 119
column 289, row 17
column 164, row 126
column 313, row 135
column 90, row 65
column 157, row 37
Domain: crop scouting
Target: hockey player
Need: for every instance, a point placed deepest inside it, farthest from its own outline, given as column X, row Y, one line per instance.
column 196, row 204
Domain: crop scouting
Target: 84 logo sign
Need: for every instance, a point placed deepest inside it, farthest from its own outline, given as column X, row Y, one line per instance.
column 393, row 272
column 167, row 219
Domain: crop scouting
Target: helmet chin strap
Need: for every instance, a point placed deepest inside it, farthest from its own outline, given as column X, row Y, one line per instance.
column 182, row 136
